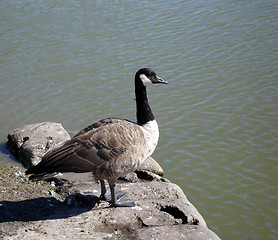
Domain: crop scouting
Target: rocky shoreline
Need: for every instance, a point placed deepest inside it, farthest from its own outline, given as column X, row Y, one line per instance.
column 71, row 209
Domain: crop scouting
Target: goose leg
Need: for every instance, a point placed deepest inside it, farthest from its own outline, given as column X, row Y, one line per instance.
column 113, row 195
column 119, row 202
column 103, row 190
column 107, row 196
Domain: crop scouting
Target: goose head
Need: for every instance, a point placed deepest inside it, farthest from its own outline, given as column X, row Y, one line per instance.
column 148, row 77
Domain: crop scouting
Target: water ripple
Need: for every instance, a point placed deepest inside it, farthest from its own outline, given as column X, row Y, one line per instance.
column 74, row 62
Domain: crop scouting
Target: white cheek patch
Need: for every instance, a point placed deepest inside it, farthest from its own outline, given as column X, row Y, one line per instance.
column 145, row 80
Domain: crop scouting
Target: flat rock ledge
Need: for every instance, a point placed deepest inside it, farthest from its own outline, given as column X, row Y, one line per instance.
column 29, row 143
column 71, row 209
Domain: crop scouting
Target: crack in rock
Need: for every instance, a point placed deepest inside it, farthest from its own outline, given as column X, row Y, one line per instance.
column 178, row 214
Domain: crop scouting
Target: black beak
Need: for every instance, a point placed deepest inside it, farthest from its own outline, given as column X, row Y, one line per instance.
column 160, row 80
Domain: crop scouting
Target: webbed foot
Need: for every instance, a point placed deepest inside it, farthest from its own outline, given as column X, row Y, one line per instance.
column 107, row 196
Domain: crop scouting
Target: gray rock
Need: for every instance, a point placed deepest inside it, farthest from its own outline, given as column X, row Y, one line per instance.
column 143, row 175
column 177, row 232
column 42, row 210
column 29, row 143
column 152, row 166
column 162, row 209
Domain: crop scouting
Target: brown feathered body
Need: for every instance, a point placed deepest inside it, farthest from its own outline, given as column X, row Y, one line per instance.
column 109, row 149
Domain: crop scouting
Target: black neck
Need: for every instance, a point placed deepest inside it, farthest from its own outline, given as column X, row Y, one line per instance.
column 144, row 112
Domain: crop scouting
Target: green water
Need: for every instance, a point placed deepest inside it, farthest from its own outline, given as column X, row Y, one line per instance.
column 74, row 62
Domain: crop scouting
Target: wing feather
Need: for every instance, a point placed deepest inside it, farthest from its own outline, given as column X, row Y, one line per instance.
column 95, row 148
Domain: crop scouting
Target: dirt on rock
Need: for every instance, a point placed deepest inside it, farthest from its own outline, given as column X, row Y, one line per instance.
column 62, row 209
column 22, row 200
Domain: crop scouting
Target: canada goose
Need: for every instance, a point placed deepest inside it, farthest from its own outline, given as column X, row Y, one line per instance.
column 109, row 148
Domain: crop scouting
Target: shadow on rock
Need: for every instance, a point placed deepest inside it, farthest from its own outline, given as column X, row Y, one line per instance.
column 46, row 208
